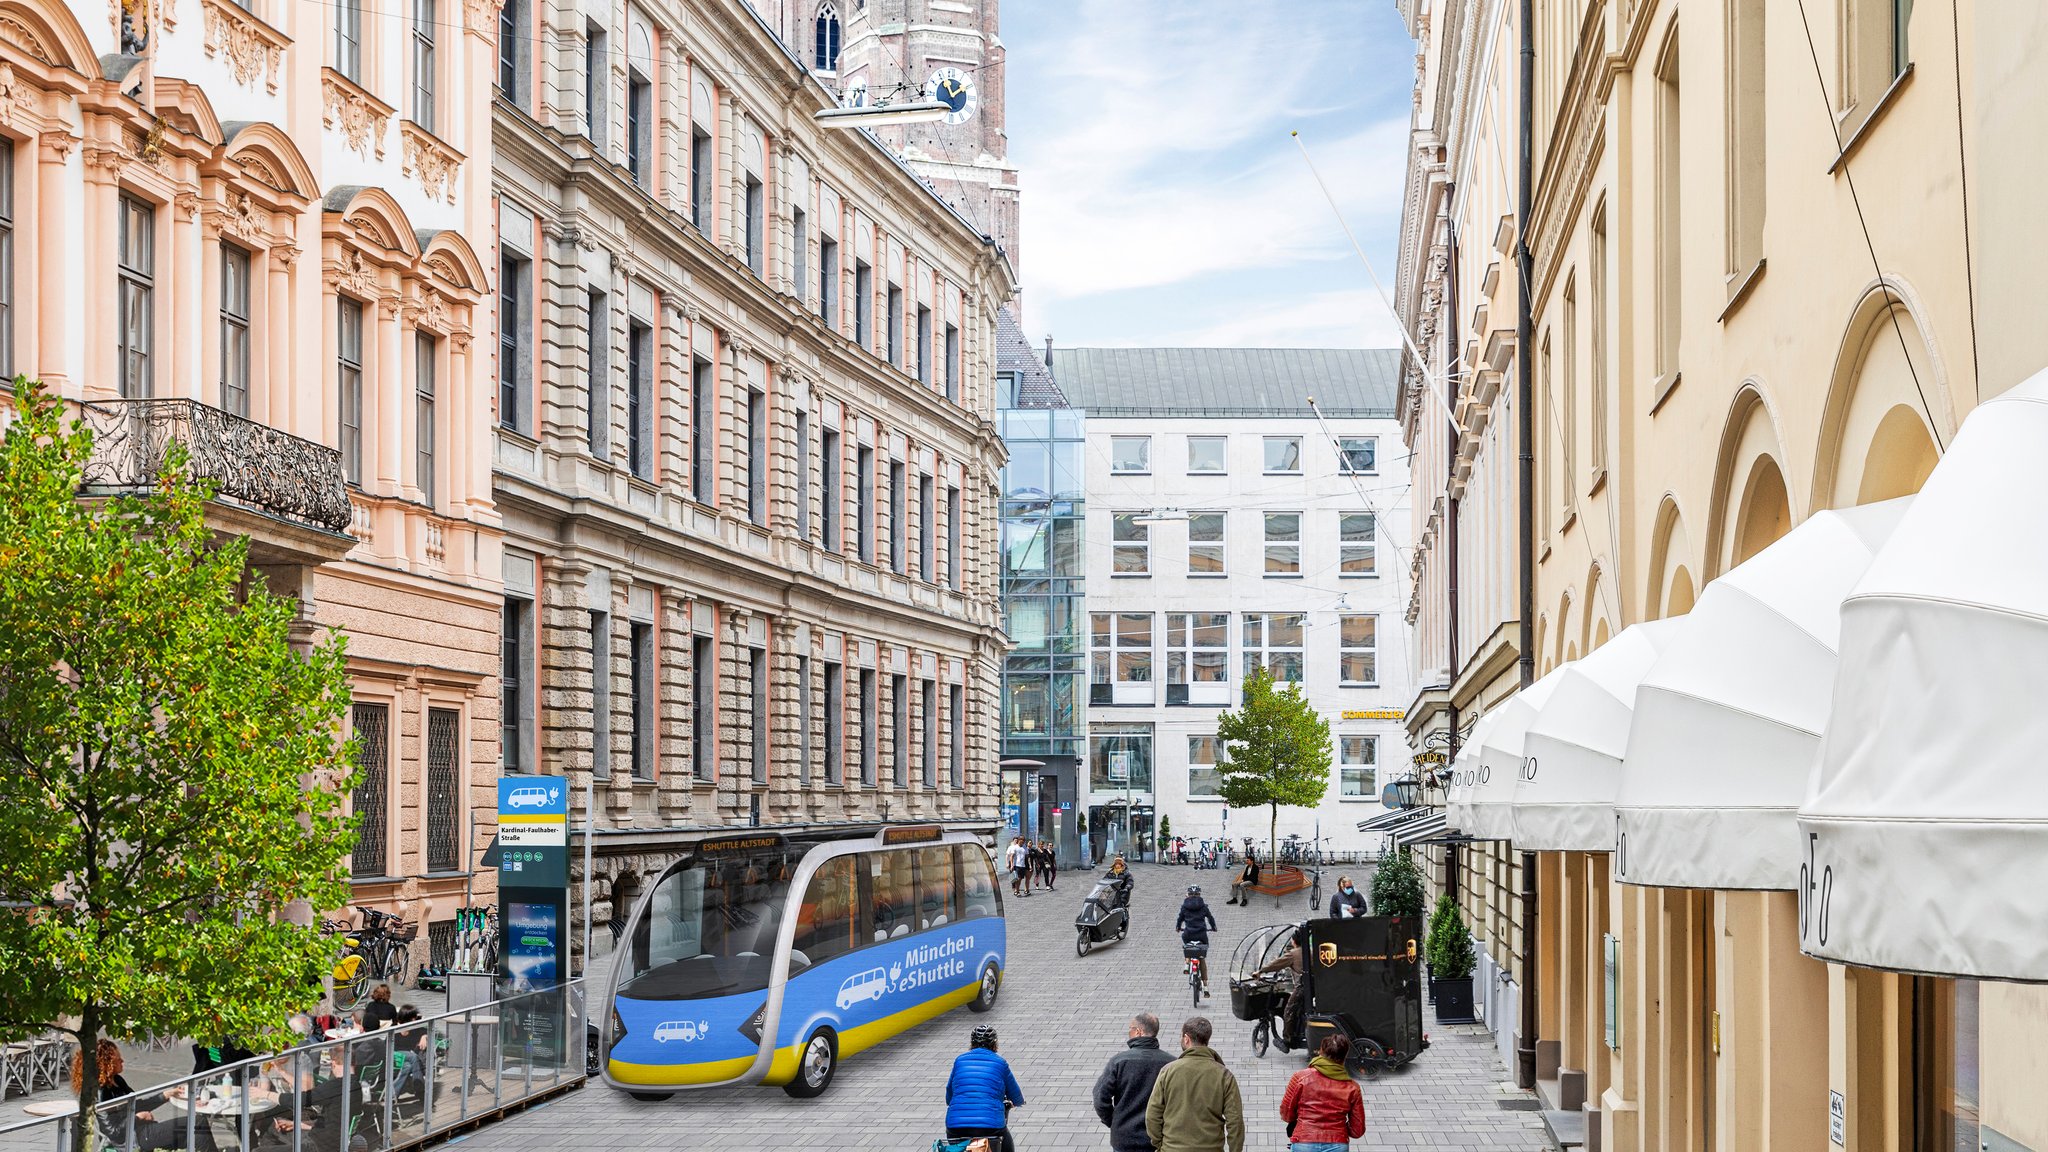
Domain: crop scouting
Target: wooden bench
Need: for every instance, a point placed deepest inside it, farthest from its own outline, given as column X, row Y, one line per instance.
column 1280, row 880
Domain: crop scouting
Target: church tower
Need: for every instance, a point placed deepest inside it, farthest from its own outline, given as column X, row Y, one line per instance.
column 925, row 49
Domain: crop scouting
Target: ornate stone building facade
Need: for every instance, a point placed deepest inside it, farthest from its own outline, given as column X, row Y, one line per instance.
column 254, row 228
column 744, row 445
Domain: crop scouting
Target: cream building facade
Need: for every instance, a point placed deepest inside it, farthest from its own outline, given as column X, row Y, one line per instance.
column 744, row 445
column 1455, row 293
column 1775, row 298
column 256, row 228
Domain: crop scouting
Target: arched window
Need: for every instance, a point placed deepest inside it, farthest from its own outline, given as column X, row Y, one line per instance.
column 827, row 57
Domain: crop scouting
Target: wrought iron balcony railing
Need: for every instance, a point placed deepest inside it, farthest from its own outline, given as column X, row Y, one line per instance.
column 251, row 463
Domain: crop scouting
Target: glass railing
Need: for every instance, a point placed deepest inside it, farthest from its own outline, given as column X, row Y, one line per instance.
column 392, row 1088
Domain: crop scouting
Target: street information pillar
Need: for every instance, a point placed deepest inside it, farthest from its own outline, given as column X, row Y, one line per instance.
column 533, row 914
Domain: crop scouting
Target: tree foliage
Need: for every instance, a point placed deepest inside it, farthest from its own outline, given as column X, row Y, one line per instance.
column 1275, row 750
column 170, row 768
column 1450, row 945
column 1397, row 887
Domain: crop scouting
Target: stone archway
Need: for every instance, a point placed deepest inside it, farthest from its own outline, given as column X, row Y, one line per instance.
column 1670, row 591
column 1751, row 504
column 1764, row 512
column 1888, row 409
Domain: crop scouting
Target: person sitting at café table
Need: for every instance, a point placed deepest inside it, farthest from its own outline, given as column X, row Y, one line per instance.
column 379, row 1011
column 315, row 1099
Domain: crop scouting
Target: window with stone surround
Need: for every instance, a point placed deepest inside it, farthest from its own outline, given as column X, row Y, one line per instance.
column 957, row 708
column 703, row 480
column 757, row 456
column 930, row 703
column 899, row 730
column 137, row 298
column 348, row 385
column 641, row 727
column 870, row 726
column 601, row 695
column 234, row 321
column 757, row 683
column 703, row 708
column 835, row 722
column 425, row 26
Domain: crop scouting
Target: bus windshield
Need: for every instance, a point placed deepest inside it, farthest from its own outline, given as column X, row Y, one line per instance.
column 710, row 927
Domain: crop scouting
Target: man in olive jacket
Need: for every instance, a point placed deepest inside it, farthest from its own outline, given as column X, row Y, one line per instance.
column 1124, row 1089
column 1195, row 1103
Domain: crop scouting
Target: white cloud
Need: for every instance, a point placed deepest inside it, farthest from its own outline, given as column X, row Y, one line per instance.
column 1158, row 151
column 1353, row 318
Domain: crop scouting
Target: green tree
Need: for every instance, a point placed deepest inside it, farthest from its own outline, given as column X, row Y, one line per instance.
column 171, row 770
column 1397, row 887
column 1450, row 946
column 1276, row 750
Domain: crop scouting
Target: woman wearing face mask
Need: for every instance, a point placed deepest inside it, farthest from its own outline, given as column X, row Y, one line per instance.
column 1349, row 902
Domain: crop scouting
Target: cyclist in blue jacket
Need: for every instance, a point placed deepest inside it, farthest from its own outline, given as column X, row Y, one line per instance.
column 980, row 1093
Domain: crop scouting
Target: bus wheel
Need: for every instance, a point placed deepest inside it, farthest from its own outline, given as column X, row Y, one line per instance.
column 815, row 1067
column 991, row 983
column 651, row 1097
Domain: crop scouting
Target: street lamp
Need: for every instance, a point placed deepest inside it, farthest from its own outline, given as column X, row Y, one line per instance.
column 879, row 115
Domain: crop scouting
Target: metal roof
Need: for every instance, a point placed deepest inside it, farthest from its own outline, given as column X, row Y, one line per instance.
column 1359, row 383
column 1037, row 388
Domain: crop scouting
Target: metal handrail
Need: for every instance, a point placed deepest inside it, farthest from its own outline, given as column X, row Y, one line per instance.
column 374, row 1108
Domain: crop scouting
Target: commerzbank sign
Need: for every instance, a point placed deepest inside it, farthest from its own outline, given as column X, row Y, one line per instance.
column 1374, row 714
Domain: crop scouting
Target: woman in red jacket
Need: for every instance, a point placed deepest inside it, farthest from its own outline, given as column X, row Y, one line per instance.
column 1323, row 1108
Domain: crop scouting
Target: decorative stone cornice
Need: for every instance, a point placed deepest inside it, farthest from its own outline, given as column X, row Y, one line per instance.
column 349, row 274
column 481, row 16
column 252, row 48
column 430, row 161
column 238, row 217
column 360, row 117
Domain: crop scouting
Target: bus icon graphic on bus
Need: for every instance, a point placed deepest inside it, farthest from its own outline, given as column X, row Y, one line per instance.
column 870, row 985
column 684, row 1030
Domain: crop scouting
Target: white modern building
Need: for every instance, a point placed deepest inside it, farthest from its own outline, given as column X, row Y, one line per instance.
column 1230, row 527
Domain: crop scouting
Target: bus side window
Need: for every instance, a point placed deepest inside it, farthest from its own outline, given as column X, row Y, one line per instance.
column 829, row 913
column 934, row 887
column 895, row 894
column 977, row 883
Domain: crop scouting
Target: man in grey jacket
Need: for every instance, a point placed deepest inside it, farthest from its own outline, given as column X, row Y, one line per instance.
column 1125, row 1086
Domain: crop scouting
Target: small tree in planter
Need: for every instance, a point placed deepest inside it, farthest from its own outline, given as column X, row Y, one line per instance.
column 1081, row 835
column 1397, row 888
column 1165, row 836
column 1450, row 963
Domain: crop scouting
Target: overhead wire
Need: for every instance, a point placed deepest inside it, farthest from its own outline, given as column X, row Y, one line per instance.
column 1893, row 301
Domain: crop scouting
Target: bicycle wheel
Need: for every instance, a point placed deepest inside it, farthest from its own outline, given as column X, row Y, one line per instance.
column 1195, row 985
column 1262, row 1037
column 401, row 965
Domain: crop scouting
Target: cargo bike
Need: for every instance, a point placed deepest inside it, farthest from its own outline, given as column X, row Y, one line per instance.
column 1360, row 978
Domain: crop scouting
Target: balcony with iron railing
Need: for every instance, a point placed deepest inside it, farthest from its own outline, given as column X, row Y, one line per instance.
column 254, row 467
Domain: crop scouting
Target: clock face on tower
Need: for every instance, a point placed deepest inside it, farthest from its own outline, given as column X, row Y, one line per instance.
column 955, row 89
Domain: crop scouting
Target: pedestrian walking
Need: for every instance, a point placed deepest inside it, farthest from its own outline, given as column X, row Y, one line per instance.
column 1322, row 1107
column 980, row 1093
column 1195, row 1105
column 1047, row 862
column 1240, row 890
column 1124, row 1089
column 1016, row 860
column 1348, row 902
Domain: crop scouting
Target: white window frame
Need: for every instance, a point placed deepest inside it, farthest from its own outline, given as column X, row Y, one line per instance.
column 1372, row 446
column 1138, row 545
column 1266, row 445
column 1365, row 551
column 1347, row 768
column 1118, row 467
column 1348, row 647
column 1198, row 744
column 1223, row 464
column 1278, row 548
column 1259, row 651
column 1207, row 548
column 1182, row 647
column 1120, row 657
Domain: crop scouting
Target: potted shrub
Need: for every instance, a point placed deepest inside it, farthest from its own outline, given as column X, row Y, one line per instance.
column 1165, row 838
column 1397, row 888
column 1450, row 964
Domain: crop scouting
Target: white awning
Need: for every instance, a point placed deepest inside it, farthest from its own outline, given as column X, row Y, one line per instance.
column 1491, row 814
column 1464, row 770
column 1728, row 720
column 1925, row 834
column 1564, row 801
column 1388, row 820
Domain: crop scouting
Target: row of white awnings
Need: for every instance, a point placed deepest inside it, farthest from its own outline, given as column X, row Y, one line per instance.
column 1858, row 713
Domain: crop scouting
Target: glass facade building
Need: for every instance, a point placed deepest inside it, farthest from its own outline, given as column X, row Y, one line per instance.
column 1044, row 690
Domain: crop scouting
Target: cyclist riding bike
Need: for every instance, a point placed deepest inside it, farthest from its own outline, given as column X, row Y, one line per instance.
column 1195, row 922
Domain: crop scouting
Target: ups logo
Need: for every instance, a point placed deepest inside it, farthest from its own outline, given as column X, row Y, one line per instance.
column 1327, row 953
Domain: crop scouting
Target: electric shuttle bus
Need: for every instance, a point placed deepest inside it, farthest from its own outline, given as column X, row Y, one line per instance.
column 767, row 958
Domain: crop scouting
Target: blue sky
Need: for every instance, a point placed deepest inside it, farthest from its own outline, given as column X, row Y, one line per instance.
column 1165, row 204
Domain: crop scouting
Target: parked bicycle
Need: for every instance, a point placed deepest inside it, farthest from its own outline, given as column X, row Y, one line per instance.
column 378, row 952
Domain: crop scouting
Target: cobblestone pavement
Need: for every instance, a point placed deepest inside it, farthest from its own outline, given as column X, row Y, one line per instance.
column 1060, row 1017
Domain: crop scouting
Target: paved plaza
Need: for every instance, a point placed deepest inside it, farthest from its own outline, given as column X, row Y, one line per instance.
column 1060, row 1017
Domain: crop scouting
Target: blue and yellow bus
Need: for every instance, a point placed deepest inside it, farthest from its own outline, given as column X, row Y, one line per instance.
column 768, row 957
